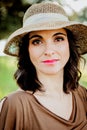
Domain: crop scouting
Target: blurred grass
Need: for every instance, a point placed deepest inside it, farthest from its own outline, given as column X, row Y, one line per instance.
column 83, row 80
column 8, row 68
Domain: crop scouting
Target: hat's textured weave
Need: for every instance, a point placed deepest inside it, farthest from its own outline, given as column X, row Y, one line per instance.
column 34, row 19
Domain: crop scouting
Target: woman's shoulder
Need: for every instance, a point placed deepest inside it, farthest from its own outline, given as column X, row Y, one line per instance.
column 16, row 98
column 81, row 91
column 18, row 94
column 80, row 95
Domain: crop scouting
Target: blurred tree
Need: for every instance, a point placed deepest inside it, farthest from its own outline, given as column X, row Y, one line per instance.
column 83, row 15
column 11, row 13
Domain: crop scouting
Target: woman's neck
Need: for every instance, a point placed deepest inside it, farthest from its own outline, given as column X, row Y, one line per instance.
column 52, row 84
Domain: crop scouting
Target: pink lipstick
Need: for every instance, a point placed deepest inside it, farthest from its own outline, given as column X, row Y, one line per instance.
column 50, row 61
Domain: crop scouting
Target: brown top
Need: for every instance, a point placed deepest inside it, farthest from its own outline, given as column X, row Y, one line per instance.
column 22, row 111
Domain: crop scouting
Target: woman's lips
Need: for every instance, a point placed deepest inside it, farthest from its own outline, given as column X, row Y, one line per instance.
column 50, row 61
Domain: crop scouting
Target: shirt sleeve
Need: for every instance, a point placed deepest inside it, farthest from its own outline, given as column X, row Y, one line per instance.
column 82, row 91
column 10, row 117
column 1, row 103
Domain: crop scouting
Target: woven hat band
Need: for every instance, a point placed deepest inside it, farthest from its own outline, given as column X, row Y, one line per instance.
column 44, row 17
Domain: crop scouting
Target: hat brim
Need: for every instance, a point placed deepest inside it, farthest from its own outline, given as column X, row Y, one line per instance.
column 79, row 31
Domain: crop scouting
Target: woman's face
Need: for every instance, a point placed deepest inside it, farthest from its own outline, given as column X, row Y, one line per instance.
column 49, row 50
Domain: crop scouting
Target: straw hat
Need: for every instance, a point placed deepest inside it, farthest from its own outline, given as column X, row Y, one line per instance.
column 46, row 16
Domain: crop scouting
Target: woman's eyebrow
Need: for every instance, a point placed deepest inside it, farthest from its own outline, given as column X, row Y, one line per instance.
column 38, row 36
column 59, row 33
column 35, row 36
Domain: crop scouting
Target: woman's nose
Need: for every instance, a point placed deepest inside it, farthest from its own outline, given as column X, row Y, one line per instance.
column 49, row 49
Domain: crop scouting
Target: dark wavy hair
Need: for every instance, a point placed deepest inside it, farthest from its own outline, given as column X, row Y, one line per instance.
column 26, row 76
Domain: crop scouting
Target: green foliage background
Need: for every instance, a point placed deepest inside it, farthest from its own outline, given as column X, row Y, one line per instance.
column 7, row 69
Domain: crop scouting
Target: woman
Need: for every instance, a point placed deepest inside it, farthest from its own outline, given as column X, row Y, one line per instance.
column 49, row 49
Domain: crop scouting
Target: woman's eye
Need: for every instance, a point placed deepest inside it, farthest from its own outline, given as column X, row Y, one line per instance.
column 36, row 42
column 59, row 39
